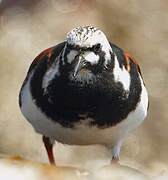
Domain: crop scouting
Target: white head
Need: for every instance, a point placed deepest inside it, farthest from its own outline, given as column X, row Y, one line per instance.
column 88, row 44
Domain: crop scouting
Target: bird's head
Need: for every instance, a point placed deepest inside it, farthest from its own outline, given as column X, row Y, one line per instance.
column 87, row 49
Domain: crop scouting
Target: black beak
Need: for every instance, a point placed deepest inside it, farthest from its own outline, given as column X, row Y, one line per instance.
column 80, row 64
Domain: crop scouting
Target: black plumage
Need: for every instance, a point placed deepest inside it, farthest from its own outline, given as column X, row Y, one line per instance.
column 105, row 101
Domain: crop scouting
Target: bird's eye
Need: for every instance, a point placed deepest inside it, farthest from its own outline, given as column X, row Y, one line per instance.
column 97, row 48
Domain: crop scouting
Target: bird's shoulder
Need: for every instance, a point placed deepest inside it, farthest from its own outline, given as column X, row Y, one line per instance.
column 125, row 58
column 50, row 54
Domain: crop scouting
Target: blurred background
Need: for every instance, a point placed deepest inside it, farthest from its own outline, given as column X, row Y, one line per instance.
column 139, row 27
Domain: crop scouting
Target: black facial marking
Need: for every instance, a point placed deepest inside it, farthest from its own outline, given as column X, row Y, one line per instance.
column 97, row 48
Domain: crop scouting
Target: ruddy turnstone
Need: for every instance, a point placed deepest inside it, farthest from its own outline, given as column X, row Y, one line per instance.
column 84, row 91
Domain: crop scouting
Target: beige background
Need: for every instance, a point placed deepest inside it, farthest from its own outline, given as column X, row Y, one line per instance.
column 140, row 27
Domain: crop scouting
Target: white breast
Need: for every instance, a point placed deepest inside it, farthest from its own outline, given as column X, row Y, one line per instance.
column 81, row 134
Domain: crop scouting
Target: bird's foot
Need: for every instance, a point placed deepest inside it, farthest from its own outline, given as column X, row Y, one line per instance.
column 115, row 160
column 49, row 148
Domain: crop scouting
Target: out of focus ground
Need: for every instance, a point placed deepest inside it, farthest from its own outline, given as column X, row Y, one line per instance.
column 139, row 27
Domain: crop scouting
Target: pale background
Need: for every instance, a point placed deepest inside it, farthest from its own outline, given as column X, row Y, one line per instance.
column 140, row 27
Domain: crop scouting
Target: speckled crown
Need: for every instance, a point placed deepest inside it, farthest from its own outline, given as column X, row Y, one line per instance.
column 85, row 36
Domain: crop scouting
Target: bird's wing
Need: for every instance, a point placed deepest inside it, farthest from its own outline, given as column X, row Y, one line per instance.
column 125, row 58
column 51, row 54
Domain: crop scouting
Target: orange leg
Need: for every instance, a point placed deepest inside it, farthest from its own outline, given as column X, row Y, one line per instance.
column 115, row 160
column 49, row 148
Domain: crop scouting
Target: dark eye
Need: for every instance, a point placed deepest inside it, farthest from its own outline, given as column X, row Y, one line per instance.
column 97, row 48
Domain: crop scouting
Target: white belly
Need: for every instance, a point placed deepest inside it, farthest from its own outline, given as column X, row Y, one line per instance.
column 81, row 134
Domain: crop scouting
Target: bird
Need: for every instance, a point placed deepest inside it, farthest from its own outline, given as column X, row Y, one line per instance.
column 84, row 91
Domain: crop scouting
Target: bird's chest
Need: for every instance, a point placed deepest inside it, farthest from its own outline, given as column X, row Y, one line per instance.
column 72, row 101
column 82, row 95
